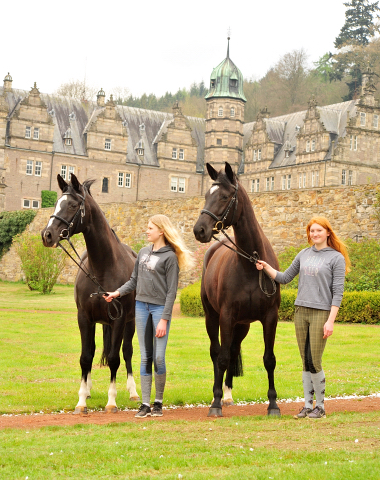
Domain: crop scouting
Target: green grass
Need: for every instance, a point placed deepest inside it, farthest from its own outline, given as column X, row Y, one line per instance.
column 39, row 371
column 39, row 358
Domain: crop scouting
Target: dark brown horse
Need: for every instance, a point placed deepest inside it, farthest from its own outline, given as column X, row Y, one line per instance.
column 231, row 293
column 111, row 264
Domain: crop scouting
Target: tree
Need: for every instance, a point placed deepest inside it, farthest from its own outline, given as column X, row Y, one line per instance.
column 359, row 26
column 77, row 89
column 292, row 70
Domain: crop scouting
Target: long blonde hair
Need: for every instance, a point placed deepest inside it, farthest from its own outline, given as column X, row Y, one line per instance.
column 173, row 238
column 332, row 240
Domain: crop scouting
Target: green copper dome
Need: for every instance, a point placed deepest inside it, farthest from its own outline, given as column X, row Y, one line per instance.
column 226, row 80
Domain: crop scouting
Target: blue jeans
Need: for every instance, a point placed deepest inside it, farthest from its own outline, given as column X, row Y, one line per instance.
column 152, row 349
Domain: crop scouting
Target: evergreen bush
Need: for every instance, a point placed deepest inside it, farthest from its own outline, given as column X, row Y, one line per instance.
column 190, row 300
column 48, row 198
column 11, row 224
column 41, row 265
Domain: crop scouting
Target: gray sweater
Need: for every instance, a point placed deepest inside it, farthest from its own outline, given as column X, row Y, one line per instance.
column 321, row 281
column 155, row 278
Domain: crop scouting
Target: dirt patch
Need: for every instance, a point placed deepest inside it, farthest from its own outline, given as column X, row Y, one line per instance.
column 367, row 404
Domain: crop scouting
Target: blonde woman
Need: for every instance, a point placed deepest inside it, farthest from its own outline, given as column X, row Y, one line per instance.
column 322, row 269
column 155, row 279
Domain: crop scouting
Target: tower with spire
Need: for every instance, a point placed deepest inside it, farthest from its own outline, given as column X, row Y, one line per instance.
column 225, row 115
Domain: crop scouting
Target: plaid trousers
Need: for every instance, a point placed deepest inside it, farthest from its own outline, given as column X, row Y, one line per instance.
column 309, row 324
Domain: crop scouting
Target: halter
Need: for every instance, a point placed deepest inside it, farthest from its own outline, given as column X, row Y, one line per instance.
column 66, row 236
column 219, row 227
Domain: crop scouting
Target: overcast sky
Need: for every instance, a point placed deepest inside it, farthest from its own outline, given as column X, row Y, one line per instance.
column 157, row 46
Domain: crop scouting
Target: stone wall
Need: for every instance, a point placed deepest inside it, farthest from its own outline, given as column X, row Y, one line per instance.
column 282, row 215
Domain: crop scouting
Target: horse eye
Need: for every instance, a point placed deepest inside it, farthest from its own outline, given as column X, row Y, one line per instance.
column 73, row 206
column 224, row 197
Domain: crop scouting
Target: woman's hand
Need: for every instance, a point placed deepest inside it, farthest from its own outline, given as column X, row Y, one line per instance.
column 260, row 264
column 328, row 328
column 161, row 328
column 111, row 295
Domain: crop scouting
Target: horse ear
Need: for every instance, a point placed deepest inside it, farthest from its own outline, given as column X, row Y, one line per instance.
column 61, row 182
column 212, row 172
column 75, row 183
column 229, row 172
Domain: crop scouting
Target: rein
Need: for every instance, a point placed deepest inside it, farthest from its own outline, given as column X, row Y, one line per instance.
column 219, row 227
column 66, row 236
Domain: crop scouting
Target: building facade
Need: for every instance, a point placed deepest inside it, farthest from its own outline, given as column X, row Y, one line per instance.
column 137, row 154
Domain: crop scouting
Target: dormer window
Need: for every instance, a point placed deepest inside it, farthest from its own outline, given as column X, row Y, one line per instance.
column 232, row 112
column 28, row 132
column 362, row 119
column 233, row 82
column 107, row 144
column 36, row 134
column 259, row 154
column 68, row 141
column 212, row 84
column 220, row 112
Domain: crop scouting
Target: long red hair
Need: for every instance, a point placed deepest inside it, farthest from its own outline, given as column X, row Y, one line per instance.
column 333, row 240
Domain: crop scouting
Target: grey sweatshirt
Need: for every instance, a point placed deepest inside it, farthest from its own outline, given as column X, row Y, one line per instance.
column 321, row 281
column 155, row 278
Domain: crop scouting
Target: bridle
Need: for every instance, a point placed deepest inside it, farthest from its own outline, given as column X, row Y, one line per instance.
column 65, row 235
column 219, row 227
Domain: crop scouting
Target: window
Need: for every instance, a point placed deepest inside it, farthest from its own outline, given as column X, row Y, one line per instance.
column 343, row 177
column 232, row 113
column 177, row 184
column 255, row 185
column 272, row 183
column 38, row 169
column 105, row 185
column 349, row 177
column 35, row 204
column 28, row 132
column 353, row 142
column 219, row 141
column 362, row 119
column 210, row 116
column 289, row 181
column 71, row 170
column 308, row 146
column 36, row 134
column 174, row 153
column 107, row 144
column 286, row 182
column 174, row 184
column 220, row 112
column 375, row 121
column 254, row 155
column 259, row 154
column 63, row 171
column 26, row 203
column 68, row 141
column 140, row 151
column 128, row 180
column 181, row 185
column 315, row 178
column 120, row 179
column 29, row 167
column 181, row 154
column 302, row 180
column 313, row 145
column 283, row 182
column 269, row 183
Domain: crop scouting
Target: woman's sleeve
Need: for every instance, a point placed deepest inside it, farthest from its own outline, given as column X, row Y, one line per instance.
column 291, row 272
column 172, row 274
column 129, row 286
column 338, row 272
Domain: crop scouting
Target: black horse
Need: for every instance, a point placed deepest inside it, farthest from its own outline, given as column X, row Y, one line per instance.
column 234, row 293
column 110, row 263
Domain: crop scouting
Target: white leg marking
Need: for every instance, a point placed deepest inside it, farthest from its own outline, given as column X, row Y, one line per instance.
column 131, row 387
column 82, row 394
column 227, row 399
column 112, row 395
column 89, row 385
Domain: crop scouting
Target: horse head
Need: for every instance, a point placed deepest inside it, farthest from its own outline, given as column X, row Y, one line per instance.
column 221, row 209
column 69, row 214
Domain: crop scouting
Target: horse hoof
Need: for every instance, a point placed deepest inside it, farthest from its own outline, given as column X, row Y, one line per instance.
column 228, row 402
column 134, row 399
column 79, row 410
column 215, row 412
column 111, row 409
column 274, row 412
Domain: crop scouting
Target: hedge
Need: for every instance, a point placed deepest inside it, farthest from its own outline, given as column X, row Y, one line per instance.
column 11, row 224
column 48, row 198
column 356, row 307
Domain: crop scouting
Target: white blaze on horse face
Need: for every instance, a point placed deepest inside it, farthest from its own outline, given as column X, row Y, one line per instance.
column 58, row 208
column 213, row 189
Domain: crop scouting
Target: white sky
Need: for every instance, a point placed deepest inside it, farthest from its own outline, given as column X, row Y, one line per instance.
column 154, row 46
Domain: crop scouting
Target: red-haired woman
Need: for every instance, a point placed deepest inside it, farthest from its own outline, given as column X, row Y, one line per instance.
column 322, row 268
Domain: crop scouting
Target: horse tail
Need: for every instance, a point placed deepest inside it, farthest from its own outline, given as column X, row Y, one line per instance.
column 236, row 367
column 107, row 334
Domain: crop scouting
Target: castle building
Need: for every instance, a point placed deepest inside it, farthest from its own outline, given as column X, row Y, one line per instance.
column 137, row 154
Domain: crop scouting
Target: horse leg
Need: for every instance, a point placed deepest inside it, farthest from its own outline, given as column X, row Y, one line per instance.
column 129, row 331
column 269, row 331
column 113, row 359
column 87, row 331
column 235, row 367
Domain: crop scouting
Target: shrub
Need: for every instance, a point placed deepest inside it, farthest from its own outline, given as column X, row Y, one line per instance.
column 285, row 259
column 11, row 224
column 190, row 300
column 286, row 310
column 41, row 265
column 137, row 245
column 365, row 271
column 48, row 198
